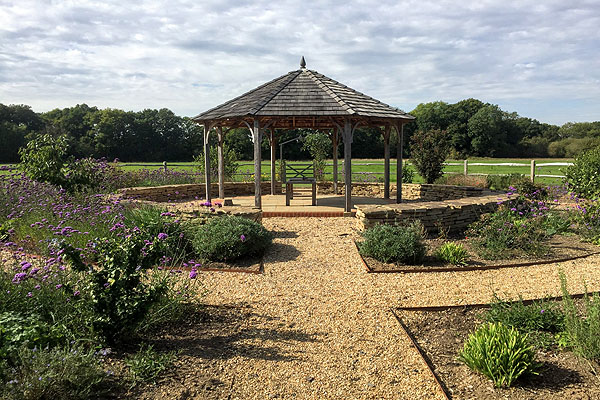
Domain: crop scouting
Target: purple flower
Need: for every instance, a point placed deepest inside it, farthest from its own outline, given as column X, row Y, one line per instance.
column 19, row 277
column 59, row 286
column 542, row 311
column 243, row 238
column 193, row 273
column 162, row 236
column 76, row 293
column 29, row 294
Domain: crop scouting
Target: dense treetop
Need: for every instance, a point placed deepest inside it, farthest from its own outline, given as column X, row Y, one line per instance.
column 474, row 129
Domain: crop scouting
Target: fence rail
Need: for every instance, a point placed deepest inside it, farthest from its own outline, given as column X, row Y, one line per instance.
column 465, row 164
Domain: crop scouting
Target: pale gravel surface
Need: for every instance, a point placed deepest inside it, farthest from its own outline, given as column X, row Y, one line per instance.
column 335, row 335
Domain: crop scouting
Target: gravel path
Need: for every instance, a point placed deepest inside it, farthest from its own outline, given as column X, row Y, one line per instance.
column 323, row 327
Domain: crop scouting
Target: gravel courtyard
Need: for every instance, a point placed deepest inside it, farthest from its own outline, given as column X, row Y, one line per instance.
column 327, row 329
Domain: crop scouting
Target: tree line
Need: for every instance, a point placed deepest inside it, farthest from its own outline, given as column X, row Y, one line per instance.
column 473, row 128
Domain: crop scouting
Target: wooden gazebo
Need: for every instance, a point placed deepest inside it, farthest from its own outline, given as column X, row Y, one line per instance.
column 303, row 99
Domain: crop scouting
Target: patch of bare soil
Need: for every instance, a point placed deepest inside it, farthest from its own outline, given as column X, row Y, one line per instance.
column 441, row 336
column 251, row 265
column 205, row 338
column 560, row 248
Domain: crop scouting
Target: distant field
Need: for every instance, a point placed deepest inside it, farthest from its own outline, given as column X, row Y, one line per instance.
column 372, row 169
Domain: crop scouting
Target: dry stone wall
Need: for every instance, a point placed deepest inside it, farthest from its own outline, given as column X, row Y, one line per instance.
column 410, row 191
column 193, row 191
column 450, row 215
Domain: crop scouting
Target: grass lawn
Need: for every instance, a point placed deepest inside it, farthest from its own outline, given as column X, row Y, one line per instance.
column 371, row 170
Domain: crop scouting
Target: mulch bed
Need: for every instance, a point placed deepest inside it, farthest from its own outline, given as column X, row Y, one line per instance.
column 561, row 248
column 252, row 265
column 440, row 335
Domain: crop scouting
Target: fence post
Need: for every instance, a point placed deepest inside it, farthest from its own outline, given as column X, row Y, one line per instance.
column 532, row 171
column 466, row 167
column 165, row 166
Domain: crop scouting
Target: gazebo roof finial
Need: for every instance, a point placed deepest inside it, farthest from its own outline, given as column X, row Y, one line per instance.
column 302, row 62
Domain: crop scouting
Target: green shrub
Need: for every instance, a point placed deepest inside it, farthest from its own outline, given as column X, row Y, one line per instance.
column 388, row 243
column 453, row 253
column 408, row 173
column 230, row 164
column 429, row 150
column 120, row 297
column 537, row 316
column 501, row 353
column 583, row 177
column 587, row 220
column 503, row 182
column 18, row 330
column 582, row 330
column 229, row 238
column 505, row 234
column 58, row 373
column 147, row 364
column 43, row 159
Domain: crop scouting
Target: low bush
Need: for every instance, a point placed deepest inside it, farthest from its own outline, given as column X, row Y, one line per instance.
column 452, row 253
column 501, row 353
column 229, row 238
column 505, row 234
column 408, row 173
column 537, row 316
column 388, row 243
column 583, row 177
column 587, row 220
column 582, row 329
column 503, row 182
column 147, row 364
column 59, row 373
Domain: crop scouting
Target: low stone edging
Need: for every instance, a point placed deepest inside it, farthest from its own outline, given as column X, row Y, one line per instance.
column 451, row 215
column 168, row 193
column 410, row 191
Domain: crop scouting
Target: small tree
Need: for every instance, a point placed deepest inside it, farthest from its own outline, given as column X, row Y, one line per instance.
column 429, row 150
column 318, row 145
column 583, row 177
column 230, row 159
column 43, row 159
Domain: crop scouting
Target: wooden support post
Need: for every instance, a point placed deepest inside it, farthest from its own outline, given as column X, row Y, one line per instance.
column 221, row 163
column 347, row 136
column 466, row 167
column 532, row 171
column 399, row 149
column 335, row 138
column 257, row 137
column 386, row 162
column 207, row 161
column 273, row 143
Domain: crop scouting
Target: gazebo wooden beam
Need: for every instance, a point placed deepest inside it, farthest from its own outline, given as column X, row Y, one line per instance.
column 386, row 161
column 399, row 149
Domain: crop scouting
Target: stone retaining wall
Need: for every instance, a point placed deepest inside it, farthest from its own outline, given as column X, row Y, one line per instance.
column 190, row 191
column 410, row 191
column 451, row 215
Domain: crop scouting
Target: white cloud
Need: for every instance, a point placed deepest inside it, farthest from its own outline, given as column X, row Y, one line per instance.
column 192, row 55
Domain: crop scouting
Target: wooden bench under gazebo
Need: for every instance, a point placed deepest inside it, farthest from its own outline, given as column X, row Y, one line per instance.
column 303, row 99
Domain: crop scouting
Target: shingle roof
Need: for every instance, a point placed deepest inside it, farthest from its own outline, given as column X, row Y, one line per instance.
column 303, row 93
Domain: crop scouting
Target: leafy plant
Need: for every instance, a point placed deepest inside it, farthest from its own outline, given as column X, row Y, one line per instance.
column 18, row 330
column 453, row 253
column 429, row 150
column 537, row 316
column 120, row 297
column 230, row 164
column 501, row 353
column 229, row 237
column 60, row 373
column 42, row 159
column 408, row 173
column 388, row 243
column 582, row 329
column 503, row 182
column 583, row 177
column 147, row 364
column 318, row 145
column 505, row 234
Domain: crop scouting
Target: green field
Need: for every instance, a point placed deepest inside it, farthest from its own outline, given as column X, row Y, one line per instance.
column 371, row 170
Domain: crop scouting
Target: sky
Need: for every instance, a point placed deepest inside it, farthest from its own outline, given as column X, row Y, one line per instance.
column 539, row 58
